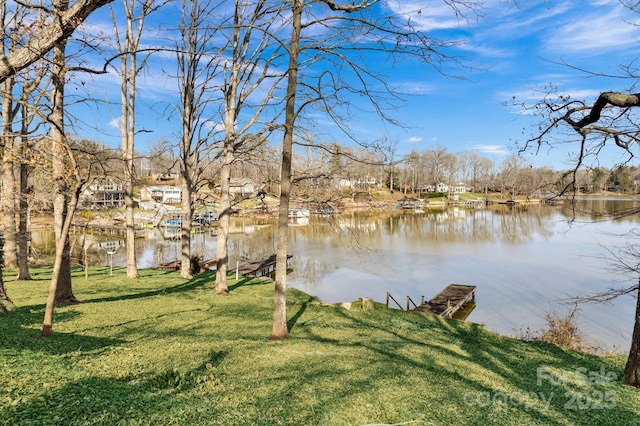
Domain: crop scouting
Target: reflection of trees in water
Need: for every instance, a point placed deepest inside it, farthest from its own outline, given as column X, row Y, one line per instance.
column 354, row 234
column 454, row 225
column 310, row 271
column 254, row 246
column 520, row 223
column 336, row 232
column 603, row 208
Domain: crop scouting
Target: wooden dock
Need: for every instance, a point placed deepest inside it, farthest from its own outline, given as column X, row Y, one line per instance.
column 261, row 268
column 450, row 300
column 175, row 265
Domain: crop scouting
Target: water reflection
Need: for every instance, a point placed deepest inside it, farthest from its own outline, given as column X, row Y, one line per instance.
column 522, row 259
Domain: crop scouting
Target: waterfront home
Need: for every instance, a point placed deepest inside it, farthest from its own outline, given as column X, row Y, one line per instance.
column 102, row 193
column 165, row 194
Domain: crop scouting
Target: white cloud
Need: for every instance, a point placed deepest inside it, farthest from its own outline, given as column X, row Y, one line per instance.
column 114, row 123
column 427, row 17
column 491, row 149
column 597, row 32
column 415, row 139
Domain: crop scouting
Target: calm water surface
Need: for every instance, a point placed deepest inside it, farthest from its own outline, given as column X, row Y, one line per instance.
column 524, row 260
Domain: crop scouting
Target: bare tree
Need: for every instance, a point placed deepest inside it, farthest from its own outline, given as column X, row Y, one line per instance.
column 197, row 68
column 21, row 96
column 135, row 12
column 60, row 290
column 250, row 70
column 313, row 57
column 60, row 27
column 611, row 119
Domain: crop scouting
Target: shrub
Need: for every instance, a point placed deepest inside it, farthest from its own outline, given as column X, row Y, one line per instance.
column 194, row 265
column 561, row 330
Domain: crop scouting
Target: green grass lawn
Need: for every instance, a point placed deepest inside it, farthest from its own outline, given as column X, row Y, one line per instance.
column 165, row 351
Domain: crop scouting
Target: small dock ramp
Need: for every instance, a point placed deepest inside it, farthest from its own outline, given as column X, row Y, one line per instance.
column 450, row 300
column 175, row 265
column 261, row 268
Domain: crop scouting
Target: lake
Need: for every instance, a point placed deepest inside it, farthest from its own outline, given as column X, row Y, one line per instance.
column 525, row 260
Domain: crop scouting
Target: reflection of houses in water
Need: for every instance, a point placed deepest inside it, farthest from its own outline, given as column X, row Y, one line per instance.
column 451, row 213
column 172, row 233
column 96, row 243
column 298, row 221
column 358, row 225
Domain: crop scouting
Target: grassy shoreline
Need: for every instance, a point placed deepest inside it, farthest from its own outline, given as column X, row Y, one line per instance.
column 163, row 350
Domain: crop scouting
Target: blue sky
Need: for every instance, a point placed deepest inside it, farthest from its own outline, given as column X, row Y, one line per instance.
column 511, row 51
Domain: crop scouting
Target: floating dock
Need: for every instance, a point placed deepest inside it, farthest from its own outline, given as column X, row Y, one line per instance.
column 450, row 300
column 455, row 301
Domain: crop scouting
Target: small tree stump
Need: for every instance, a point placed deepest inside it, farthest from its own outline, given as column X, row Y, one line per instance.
column 367, row 303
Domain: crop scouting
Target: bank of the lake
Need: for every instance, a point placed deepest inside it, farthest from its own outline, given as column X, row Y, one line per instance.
column 163, row 350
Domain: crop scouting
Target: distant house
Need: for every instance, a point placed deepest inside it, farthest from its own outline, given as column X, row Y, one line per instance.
column 102, row 194
column 165, row 194
column 170, row 175
column 362, row 183
column 459, row 188
column 243, row 186
column 367, row 182
column 343, row 183
column 441, row 187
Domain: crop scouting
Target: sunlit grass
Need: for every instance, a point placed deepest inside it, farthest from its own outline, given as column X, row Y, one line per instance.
column 163, row 350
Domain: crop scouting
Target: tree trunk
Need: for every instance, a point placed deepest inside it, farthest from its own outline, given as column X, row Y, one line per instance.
column 23, row 214
column 132, row 267
column 64, row 289
column 632, row 369
column 8, row 175
column 222, row 255
column 61, row 267
column 128, row 152
column 280, row 327
column 185, row 268
column 4, row 297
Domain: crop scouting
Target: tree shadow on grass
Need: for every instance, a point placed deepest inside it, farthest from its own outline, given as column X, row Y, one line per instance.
column 20, row 331
column 198, row 281
column 515, row 363
column 145, row 399
column 248, row 281
column 291, row 323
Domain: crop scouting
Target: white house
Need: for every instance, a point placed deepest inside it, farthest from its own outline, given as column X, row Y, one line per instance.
column 103, row 194
column 161, row 194
column 242, row 186
column 459, row 188
column 441, row 187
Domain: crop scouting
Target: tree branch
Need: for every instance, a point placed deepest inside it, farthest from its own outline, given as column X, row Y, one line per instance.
column 621, row 100
column 59, row 29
